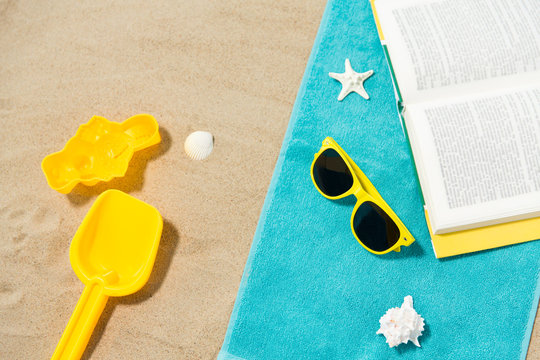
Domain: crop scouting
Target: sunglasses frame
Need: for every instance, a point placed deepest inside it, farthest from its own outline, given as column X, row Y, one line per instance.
column 364, row 191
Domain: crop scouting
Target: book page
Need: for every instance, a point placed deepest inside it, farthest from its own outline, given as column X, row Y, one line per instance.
column 478, row 157
column 447, row 47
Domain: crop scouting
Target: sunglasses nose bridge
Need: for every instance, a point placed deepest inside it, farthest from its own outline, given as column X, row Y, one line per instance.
column 360, row 193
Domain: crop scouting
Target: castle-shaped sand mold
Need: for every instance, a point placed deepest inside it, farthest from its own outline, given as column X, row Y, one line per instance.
column 99, row 151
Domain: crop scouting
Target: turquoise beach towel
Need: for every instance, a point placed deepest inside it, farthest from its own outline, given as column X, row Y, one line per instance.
column 310, row 291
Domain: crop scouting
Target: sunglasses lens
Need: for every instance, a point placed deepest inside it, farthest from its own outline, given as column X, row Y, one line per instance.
column 332, row 174
column 374, row 227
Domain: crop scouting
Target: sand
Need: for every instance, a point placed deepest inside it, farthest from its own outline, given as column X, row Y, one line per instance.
column 232, row 68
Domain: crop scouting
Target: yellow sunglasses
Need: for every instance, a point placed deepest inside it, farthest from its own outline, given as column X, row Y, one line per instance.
column 374, row 224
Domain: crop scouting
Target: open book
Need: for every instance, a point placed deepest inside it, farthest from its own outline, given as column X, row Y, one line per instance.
column 467, row 80
column 467, row 76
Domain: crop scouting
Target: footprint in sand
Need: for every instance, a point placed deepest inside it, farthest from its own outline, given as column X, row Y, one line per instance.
column 24, row 223
column 21, row 220
column 9, row 295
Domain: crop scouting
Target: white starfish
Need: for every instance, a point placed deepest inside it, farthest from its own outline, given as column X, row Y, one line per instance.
column 351, row 81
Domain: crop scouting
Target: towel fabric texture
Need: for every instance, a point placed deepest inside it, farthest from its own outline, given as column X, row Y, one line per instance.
column 310, row 291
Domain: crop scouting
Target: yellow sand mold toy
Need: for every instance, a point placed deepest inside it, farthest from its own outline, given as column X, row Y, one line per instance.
column 112, row 253
column 99, row 151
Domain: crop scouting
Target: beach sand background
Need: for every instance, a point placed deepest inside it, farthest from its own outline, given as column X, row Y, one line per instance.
column 232, row 68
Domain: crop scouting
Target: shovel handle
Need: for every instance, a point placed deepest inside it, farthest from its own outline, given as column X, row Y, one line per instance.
column 82, row 323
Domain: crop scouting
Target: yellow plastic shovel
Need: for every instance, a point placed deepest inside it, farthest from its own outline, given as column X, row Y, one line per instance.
column 112, row 253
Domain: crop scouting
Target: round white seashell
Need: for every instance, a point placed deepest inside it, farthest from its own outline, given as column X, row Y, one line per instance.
column 401, row 325
column 199, row 145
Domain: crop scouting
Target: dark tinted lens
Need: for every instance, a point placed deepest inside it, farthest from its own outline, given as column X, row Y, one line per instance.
column 332, row 174
column 374, row 227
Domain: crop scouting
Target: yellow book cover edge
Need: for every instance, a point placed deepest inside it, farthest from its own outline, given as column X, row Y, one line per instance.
column 379, row 30
column 484, row 238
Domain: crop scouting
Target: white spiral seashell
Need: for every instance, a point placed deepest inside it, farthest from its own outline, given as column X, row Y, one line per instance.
column 199, row 145
column 401, row 325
